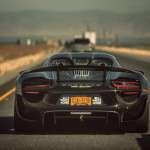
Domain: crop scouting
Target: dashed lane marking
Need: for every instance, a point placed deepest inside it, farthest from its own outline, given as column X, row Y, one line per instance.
column 7, row 94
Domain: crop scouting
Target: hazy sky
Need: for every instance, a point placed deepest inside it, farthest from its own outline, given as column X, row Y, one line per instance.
column 71, row 5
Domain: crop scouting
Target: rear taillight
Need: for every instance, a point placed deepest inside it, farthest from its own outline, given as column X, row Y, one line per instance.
column 35, row 86
column 34, row 89
column 127, row 87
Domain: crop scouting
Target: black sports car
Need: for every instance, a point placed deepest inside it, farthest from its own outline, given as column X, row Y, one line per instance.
column 85, row 86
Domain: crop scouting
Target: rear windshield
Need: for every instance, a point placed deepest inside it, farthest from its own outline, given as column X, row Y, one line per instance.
column 81, row 61
column 102, row 61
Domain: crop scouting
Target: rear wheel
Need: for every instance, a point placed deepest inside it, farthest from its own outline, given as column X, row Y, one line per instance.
column 24, row 126
column 140, row 125
column 18, row 123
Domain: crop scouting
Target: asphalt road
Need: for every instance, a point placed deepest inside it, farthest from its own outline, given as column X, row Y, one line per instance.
column 74, row 138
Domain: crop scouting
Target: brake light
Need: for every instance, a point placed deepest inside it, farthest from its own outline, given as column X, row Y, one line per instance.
column 35, row 86
column 126, row 85
column 126, row 88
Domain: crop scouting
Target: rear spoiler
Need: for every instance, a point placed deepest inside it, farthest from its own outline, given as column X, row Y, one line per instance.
column 79, row 67
column 58, row 69
column 105, row 70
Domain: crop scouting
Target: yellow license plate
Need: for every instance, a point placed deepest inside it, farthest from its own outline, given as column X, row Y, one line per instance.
column 80, row 100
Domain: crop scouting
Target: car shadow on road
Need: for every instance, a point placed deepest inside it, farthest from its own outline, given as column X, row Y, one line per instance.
column 144, row 142
column 7, row 127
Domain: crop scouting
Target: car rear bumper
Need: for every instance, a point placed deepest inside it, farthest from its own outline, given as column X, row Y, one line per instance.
column 43, row 112
column 53, row 114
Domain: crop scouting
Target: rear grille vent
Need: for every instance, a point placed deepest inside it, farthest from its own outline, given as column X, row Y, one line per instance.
column 81, row 75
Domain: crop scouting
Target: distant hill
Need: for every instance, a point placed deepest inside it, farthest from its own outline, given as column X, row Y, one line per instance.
column 70, row 23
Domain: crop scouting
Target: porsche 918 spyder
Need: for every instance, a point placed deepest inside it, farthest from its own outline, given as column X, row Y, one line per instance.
column 84, row 86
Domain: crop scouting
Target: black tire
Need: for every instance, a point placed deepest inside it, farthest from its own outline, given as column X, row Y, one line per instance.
column 24, row 126
column 140, row 125
column 18, row 123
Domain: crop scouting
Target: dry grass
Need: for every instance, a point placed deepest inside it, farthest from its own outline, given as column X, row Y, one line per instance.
column 13, row 57
column 127, row 51
column 8, row 52
column 17, row 63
